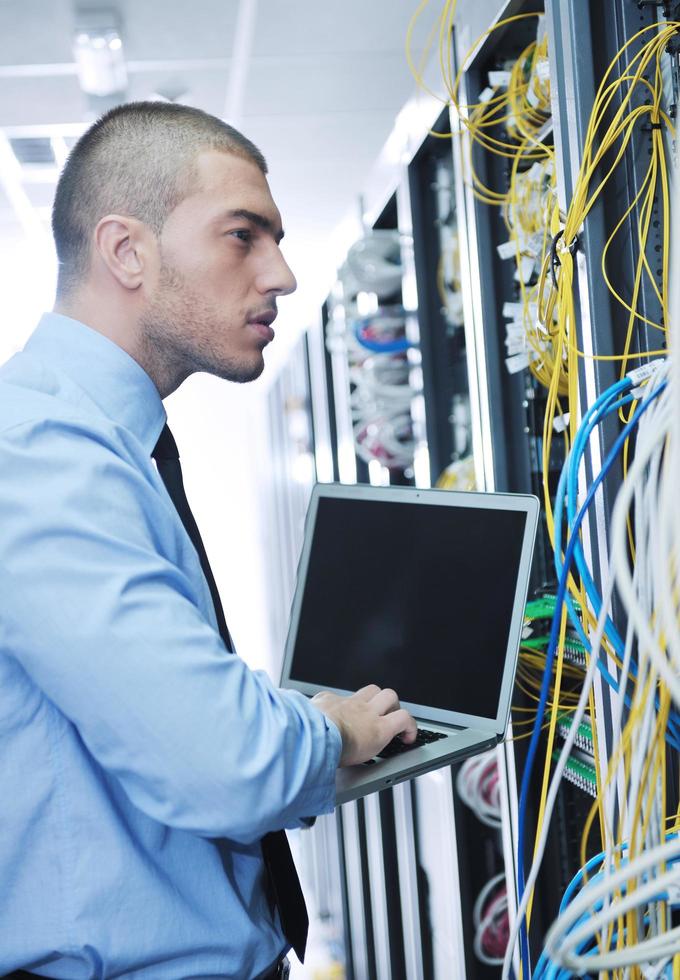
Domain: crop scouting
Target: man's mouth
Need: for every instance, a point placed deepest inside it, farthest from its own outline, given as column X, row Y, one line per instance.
column 261, row 323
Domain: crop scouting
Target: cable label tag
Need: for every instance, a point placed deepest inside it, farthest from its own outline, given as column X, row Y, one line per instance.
column 542, row 69
column 515, row 345
column 536, row 172
column 525, row 269
column 645, row 371
column 513, row 311
column 507, row 250
column 499, row 79
column 517, row 363
column 532, row 96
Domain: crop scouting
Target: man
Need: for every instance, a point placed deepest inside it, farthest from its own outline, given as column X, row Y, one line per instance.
column 142, row 762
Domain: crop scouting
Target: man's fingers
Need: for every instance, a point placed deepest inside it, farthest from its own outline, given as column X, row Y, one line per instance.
column 385, row 701
column 367, row 693
column 401, row 723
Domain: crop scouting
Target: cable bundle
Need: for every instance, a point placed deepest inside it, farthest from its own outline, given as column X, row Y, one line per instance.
column 382, row 391
column 621, row 916
column 490, row 918
column 630, row 684
column 374, row 261
column 609, row 135
column 477, row 785
column 532, row 335
column 557, row 303
column 511, row 112
column 584, row 911
column 518, row 99
column 509, row 121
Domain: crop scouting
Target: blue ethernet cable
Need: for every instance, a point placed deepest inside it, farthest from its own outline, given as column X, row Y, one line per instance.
column 607, row 405
column 572, row 494
column 547, row 969
column 596, row 861
column 601, row 404
column 396, row 346
column 550, row 656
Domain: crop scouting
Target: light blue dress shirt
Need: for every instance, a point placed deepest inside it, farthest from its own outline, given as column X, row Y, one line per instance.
column 140, row 762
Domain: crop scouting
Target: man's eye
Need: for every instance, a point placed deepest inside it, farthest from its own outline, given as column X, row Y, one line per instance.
column 243, row 234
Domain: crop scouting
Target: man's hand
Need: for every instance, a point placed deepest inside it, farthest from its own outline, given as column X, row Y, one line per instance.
column 367, row 721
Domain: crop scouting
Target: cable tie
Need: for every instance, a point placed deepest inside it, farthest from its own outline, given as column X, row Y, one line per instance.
column 645, row 371
column 560, row 422
column 554, row 258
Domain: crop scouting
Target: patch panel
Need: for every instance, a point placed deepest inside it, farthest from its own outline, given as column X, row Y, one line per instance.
column 580, row 772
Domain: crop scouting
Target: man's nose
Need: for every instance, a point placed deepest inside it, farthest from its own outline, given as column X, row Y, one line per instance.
column 277, row 277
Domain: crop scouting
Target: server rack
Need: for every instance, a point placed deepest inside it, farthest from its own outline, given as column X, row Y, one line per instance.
column 440, row 315
column 583, row 38
column 584, row 46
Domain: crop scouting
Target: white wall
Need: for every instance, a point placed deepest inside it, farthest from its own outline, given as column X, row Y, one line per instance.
column 27, row 283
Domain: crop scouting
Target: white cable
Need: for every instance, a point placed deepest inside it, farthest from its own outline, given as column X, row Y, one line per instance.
column 619, row 561
column 472, row 782
column 560, row 946
column 642, row 483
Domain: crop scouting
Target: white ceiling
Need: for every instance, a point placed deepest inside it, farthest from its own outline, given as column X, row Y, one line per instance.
column 316, row 85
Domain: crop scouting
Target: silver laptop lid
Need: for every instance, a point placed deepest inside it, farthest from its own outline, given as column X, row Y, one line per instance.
column 419, row 590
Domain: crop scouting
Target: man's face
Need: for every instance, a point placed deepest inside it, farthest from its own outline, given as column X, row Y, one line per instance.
column 221, row 272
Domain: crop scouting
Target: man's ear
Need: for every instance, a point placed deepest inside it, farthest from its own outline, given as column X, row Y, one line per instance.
column 122, row 245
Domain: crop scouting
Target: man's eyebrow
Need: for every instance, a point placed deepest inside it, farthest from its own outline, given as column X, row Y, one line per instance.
column 256, row 219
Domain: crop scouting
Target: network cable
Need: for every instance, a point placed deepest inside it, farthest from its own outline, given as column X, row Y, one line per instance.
column 557, row 625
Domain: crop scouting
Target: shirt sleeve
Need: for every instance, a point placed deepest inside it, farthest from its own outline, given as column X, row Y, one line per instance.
column 102, row 617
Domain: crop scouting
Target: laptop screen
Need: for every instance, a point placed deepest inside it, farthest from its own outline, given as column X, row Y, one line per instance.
column 419, row 598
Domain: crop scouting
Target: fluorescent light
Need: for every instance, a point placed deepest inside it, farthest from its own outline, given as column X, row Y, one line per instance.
column 100, row 60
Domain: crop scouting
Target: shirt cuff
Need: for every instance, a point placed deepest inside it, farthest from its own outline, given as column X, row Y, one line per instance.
column 320, row 798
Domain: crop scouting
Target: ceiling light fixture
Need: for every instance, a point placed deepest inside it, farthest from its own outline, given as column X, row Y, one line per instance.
column 98, row 52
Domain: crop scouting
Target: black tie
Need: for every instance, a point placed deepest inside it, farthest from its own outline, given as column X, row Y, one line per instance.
column 278, row 860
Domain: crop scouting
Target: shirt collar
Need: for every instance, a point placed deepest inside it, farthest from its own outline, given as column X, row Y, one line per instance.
column 111, row 378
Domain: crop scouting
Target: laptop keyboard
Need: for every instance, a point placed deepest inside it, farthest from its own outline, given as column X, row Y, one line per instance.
column 423, row 737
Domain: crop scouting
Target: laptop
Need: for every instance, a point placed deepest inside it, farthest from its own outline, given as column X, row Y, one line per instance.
column 422, row 591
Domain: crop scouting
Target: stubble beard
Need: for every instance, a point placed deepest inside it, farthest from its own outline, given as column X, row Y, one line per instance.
column 178, row 332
